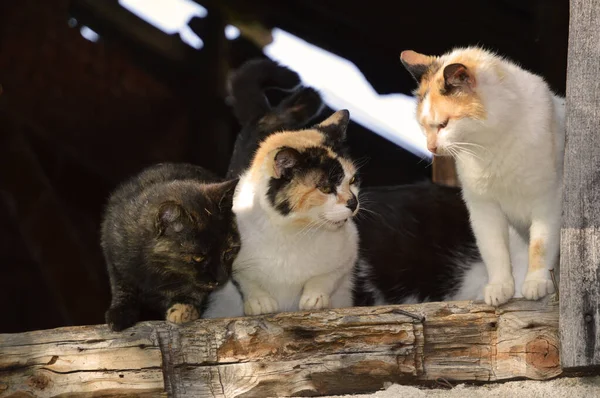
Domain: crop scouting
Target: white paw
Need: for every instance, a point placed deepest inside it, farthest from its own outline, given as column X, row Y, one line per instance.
column 182, row 313
column 534, row 289
column 496, row 294
column 257, row 305
column 313, row 301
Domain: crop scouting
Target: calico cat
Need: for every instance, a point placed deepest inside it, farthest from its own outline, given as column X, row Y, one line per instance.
column 169, row 237
column 294, row 208
column 249, row 86
column 416, row 245
column 505, row 129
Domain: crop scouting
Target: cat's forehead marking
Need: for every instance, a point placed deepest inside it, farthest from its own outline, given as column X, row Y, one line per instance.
column 435, row 106
column 299, row 140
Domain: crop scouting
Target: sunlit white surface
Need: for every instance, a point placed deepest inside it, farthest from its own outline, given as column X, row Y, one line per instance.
column 170, row 16
column 343, row 86
column 340, row 82
column 89, row 34
column 231, row 32
column 167, row 15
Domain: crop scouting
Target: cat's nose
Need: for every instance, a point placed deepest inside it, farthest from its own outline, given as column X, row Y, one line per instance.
column 352, row 203
column 432, row 148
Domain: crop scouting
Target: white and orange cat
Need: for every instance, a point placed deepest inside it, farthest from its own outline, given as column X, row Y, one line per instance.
column 505, row 129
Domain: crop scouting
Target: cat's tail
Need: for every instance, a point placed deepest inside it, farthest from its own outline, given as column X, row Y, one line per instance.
column 248, row 85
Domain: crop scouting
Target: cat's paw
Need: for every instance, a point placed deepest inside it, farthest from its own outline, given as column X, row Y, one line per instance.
column 314, row 301
column 121, row 317
column 257, row 305
column 182, row 313
column 537, row 285
column 496, row 294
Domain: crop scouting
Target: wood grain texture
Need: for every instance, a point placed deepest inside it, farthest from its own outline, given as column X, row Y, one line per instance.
column 290, row 354
column 580, row 237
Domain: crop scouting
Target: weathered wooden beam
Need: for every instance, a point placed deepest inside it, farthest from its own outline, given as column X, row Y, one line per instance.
column 580, row 236
column 328, row 352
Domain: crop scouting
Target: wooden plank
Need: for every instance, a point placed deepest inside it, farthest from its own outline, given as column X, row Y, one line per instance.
column 580, row 235
column 81, row 361
column 328, row 352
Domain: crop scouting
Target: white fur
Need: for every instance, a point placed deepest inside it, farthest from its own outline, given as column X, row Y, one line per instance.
column 285, row 267
column 511, row 170
column 476, row 276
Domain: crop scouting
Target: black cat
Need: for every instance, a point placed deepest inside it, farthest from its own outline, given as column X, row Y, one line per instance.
column 267, row 97
column 416, row 245
column 169, row 237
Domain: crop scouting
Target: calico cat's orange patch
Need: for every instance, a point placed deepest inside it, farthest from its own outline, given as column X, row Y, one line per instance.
column 537, row 252
column 303, row 197
column 443, row 107
column 292, row 139
column 435, row 105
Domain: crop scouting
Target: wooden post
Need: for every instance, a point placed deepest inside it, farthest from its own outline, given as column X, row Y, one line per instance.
column 328, row 352
column 580, row 236
column 444, row 171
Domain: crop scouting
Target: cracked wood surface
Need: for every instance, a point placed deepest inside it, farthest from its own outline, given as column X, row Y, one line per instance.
column 580, row 234
column 328, row 352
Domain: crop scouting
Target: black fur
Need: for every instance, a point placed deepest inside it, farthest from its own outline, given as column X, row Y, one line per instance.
column 413, row 239
column 168, row 236
column 258, row 117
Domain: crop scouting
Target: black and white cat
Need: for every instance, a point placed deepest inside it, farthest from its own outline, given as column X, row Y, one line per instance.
column 417, row 246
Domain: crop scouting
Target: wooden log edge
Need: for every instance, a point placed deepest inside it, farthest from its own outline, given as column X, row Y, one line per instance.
column 342, row 351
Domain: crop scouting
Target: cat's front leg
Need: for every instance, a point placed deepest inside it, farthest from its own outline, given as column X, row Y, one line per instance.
column 257, row 301
column 180, row 313
column 183, row 309
column 124, row 310
column 317, row 290
column 490, row 227
column 544, row 244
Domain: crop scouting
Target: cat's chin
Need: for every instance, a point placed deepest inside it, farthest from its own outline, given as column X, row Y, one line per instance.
column 335, row 225
column 208, row 286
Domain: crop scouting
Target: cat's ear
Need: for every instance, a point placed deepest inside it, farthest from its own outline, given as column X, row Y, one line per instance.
column 224, row 192
column 458, row 77
column 335, row 126
column 417, row 64
column 171, row 216
column 285, row 160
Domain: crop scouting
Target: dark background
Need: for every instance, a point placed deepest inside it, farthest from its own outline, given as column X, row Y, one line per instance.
column 78, row 117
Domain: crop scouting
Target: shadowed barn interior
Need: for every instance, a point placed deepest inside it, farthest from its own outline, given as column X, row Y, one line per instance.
column 78, row 116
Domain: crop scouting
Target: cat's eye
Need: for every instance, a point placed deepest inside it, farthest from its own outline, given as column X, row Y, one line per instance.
column 443, row 125
column 229, row 253
column 352, row 180
column 197, row 259
column 325, row 189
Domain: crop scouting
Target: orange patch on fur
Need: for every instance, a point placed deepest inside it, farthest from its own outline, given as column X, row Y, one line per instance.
column 292, row 139
column 414, row 58
column 457, row 105
column 304, row 197
column 537, row 252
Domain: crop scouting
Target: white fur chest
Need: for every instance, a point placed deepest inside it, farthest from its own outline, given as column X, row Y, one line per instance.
column 281, row 257
column 283, row 260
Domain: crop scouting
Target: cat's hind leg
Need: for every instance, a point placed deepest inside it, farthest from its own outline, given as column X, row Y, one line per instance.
column 544, row 242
